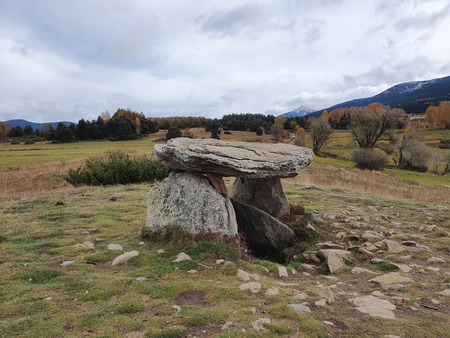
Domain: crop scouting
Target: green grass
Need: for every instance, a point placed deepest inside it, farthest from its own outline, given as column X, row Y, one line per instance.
column 13, row 156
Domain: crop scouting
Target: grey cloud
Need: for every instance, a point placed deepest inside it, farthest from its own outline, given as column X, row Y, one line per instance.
column 231, row 22
column 421, row 19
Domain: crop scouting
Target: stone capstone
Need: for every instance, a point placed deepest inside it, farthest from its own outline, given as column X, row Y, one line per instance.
column 239, row 159
column 188, row 200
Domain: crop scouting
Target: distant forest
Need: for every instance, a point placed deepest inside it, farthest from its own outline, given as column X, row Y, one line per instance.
column 126, row 124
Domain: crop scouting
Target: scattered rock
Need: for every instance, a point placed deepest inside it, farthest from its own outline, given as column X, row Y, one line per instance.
column 220, row 261
column 272, row 292
column 282, row 271
column 86, row 245
column 434, row 269
column 115, row 247
column 243, row 275
column 445, row 292
column 258, row 324
column 311, row 256
column 300, row 295
column 403, row 267
column 394, row 247
column 377, row 294
column 182, row 257
column 435, row 260
column 125, row 257
column 329, row 245
column 299, row 307
column 409, row 243
column 391, row 278
column 358, row 271
column 227, row 325
column 66, row 263
column 371, row 235
column 140, row 279
column 160, row 251
column 334, row 258
column 254, row 287
column 192, row 271
column 373, row 306
column 327, row 294
column 320, row 303
column 326, row 322
column 429, row 228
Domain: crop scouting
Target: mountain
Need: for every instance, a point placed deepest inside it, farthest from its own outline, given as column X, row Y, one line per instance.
column 300, row 111
column 414, row 97
column 36, row 126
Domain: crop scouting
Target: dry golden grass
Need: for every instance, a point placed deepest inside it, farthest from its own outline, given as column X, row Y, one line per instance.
column 371, row 183
column 36, row 180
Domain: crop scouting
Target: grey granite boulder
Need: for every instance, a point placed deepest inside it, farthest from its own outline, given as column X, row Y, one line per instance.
column 253, row 160
column 263, row 193
column 188, row 200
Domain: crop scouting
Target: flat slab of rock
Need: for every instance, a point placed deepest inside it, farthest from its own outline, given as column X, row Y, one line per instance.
column 374, row 306
column 299, row 308
column 189, row 201
column 125, row 257
column 245, row 159
column 391, row 278
column 334, row 258
column 261, row 229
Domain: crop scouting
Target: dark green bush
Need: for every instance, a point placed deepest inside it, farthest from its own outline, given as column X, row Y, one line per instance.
column 369, row 159
column 117, row 168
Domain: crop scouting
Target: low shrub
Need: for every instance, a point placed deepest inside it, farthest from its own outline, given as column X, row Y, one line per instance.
column 369, row 159
column 117, row 168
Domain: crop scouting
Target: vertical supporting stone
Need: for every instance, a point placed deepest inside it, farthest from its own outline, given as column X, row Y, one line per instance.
column 263, row 193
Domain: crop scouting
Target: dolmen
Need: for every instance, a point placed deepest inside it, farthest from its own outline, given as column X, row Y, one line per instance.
column 195, row 198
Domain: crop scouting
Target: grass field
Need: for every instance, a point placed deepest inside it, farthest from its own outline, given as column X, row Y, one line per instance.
column 43, row 220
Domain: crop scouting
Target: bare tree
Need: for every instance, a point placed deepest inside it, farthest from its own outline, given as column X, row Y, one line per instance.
column 320, row 133
column 371, row 124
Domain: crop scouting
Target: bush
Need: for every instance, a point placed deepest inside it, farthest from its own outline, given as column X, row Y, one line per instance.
column 444, row 144
column 117, row 168
column 369, row 159
column 173, row 132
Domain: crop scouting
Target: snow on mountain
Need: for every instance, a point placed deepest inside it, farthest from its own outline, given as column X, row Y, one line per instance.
column 300, row 111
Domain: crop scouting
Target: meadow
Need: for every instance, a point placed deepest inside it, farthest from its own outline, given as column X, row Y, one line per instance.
column 44, row 221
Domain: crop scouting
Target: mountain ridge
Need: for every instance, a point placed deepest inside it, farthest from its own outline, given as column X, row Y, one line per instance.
column 35, row 125
column 413, row 96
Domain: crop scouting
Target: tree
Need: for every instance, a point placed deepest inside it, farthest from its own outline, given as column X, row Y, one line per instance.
column 213, row 126
column 371, row 124
column 439, row 116
column 173, row 132
column 16, row 132
column 5, row 128
column 63, row 133
column 320, row 133
column 122, row 127
column 412, row 154
column 300, row 137
column 277, row 129
column 28, row 130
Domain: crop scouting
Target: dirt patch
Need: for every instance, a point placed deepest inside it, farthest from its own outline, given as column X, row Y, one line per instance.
column 192, row 297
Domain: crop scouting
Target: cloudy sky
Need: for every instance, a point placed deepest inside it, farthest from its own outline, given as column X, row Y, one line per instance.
column 72, row 59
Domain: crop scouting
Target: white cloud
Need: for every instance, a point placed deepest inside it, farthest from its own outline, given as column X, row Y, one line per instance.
column 68, row 60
